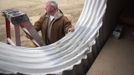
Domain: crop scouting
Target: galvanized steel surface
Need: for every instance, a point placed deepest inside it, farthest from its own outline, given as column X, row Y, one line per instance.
column 59, row 56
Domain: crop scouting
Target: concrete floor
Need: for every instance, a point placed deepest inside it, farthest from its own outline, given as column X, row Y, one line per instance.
column 116, row 57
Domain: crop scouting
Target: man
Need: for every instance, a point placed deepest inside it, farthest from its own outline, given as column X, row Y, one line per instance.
column 53, row 25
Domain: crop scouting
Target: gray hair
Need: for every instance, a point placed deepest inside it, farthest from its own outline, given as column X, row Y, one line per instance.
column 53, row 3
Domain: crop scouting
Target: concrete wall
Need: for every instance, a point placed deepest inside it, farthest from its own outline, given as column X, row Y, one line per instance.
column 113, row 11
column 110, row 20
column 127, row 16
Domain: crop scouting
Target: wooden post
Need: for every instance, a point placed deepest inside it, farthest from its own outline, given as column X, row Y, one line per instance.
column 8, row 33
column 17, row 35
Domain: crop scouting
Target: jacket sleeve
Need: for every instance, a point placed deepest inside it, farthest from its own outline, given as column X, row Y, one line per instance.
column 67, row 24
column 38, row 24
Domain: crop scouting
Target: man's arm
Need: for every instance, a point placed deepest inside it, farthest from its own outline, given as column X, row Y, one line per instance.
column 38, row 23
column 67, row 25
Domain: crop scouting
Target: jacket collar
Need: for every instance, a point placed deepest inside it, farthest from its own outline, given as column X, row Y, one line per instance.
column 57, row 15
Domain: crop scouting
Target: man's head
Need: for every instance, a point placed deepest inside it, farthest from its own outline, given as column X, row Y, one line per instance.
column 51, row 7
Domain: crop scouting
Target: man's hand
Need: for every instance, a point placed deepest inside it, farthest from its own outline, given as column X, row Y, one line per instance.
column 71, row 29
